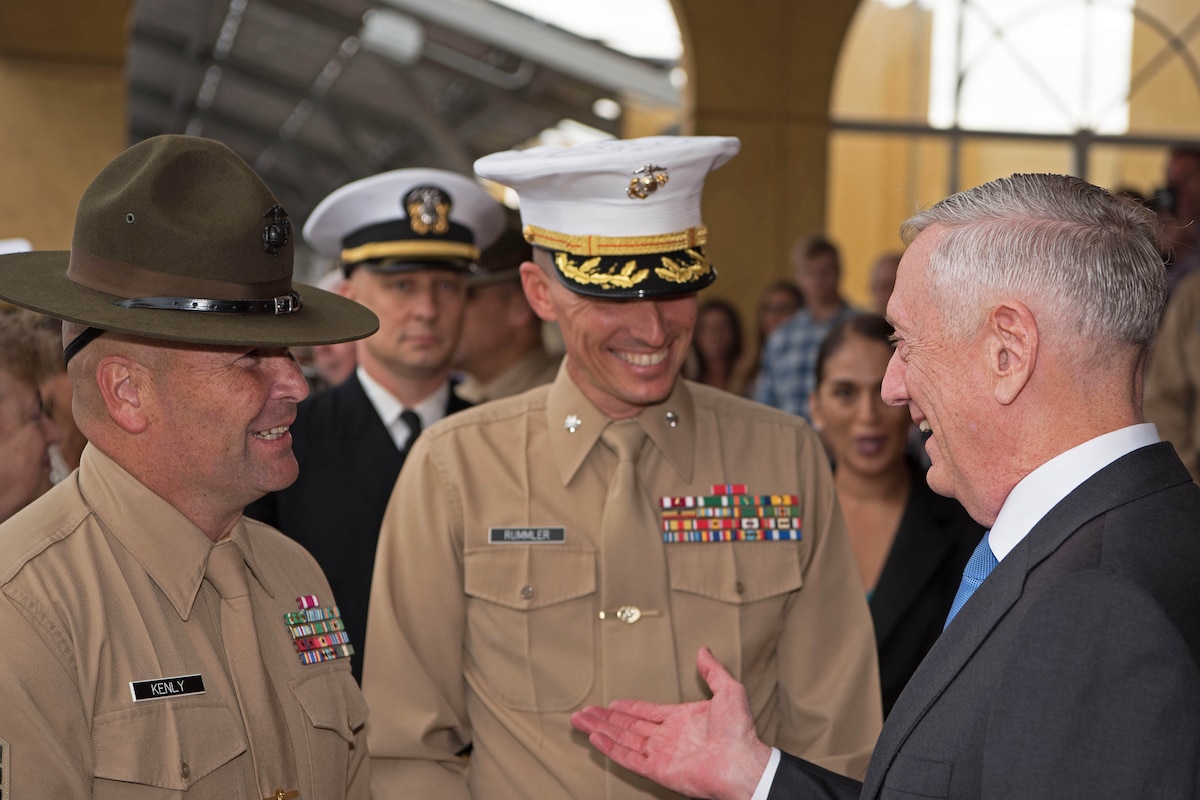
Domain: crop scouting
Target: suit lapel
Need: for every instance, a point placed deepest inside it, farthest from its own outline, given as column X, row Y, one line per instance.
column 1133, row 476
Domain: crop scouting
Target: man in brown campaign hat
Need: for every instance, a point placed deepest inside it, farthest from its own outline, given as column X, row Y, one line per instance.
column 155, row 640
column 579, row 542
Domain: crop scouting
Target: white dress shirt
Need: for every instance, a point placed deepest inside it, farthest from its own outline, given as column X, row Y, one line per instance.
column 430, row 410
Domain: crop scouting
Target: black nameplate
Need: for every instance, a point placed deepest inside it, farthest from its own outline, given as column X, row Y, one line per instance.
column 527, row 535
column 162, row 688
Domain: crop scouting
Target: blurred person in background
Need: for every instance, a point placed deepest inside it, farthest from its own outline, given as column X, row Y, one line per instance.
column 56, row 397
column 1180, row 204
column 787, row 373
column 501, row 351
column 718, row 358
column 776, row 305
column 26, row 431
column 910, row 543
column 332, row 363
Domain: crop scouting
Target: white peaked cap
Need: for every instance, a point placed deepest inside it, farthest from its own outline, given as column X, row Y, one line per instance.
column 370, row 218
column 621, row 200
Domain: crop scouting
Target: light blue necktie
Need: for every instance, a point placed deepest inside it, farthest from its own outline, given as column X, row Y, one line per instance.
column 979, row 567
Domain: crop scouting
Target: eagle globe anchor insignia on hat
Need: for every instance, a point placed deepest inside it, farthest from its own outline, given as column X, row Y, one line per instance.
column 620, row 217
column 406, row 220
column 178, row 239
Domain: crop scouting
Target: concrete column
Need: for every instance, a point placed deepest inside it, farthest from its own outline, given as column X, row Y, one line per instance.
column 762, row 70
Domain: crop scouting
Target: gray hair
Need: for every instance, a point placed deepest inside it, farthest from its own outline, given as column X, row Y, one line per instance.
column 1087, row 260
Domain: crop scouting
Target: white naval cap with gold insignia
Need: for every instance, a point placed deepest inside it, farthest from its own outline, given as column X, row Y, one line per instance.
column 621, row 216
column 405, row 220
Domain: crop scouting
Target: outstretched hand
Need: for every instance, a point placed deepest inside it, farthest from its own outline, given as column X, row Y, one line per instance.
column 707, row 749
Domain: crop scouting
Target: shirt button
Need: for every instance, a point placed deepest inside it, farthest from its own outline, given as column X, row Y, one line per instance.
column 527, row 592
column 185, row 771
column 739, row 588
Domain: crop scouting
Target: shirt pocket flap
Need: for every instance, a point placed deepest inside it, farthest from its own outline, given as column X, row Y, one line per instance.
column 331, row 700
column 169, row 745
column 735, row 572
column 529, row 577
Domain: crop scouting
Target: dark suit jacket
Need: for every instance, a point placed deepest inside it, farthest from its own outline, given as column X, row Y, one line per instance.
column 348, row 465
column 918, row 582
column 1074, row 671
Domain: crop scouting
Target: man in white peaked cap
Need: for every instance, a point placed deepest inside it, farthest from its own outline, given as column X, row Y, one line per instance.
column 581, row 541
column 407, row 241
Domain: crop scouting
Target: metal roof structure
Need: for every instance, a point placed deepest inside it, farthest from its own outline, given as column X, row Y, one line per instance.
column 316, row 93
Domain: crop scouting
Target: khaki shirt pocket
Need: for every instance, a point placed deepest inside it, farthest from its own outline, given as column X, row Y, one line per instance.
column 332, row 701
column 529, row 638
column 336, row 711
column 733, row 596
column 162, row 749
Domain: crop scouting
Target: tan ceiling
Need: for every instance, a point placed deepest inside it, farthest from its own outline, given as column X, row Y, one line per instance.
column 301, row 92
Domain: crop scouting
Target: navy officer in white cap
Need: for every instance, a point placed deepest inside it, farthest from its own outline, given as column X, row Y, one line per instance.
column 407, row 240
column 582, row 541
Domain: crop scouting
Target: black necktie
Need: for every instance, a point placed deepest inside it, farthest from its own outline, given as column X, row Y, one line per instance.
column 410, row 418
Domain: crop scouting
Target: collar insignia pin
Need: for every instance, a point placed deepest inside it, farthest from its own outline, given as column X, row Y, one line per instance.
column 572, row 422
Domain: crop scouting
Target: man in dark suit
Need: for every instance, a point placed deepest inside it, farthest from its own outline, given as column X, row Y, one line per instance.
column 406, row 240
column 1024, row 310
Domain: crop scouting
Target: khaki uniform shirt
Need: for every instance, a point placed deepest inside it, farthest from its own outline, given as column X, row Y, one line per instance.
column 102, row 594
column 536, row 369
column 494, row 645
column 1172, row 396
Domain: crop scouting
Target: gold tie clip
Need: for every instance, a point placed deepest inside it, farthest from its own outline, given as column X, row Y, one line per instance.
column 628, row 614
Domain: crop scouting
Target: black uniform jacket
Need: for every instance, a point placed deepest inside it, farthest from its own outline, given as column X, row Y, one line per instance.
column 348, row 465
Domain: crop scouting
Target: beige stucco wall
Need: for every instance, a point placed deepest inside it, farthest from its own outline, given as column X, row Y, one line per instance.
column 62, row 123
column 62, row 110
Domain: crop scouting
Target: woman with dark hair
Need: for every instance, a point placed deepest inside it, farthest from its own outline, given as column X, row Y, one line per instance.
column 717, row 347
column 911, row 544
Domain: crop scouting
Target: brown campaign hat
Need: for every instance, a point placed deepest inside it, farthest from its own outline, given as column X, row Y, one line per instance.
column 179, row 239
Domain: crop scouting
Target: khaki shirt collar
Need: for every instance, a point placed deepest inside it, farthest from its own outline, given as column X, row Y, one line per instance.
column 172, row 550
column 671, row 425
